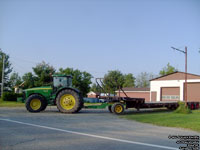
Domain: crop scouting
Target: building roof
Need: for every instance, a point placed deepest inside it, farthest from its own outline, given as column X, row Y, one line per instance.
column 126, row 89
column 176, row 76
column 93, row 93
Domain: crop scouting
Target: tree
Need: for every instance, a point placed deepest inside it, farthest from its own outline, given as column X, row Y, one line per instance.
column 81, row 79
column 143, row 78
column 113, row 80
column 29, row 80
column 167, row 70
column 7, row 68
column 43, row 72
column 15, row 79
column 95, row 88
column 129, row 80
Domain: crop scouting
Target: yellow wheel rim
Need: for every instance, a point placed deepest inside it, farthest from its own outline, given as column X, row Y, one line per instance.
column 67, row 101
column 35, row 104
column 118, row 109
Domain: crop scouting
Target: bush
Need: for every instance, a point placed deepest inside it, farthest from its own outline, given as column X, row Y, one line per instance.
column 10, row 96
column 182, row 109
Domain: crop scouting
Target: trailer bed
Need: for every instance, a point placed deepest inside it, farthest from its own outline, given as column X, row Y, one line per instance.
column 168, row 104
column 138, row 103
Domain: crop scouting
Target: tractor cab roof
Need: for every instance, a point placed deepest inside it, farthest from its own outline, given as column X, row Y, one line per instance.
column 61, row 75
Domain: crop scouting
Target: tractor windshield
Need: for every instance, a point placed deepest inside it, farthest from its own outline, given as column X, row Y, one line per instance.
column 62, row 82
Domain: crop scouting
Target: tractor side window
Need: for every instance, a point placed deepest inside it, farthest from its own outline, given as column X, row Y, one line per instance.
column 64, row 81
column 69, row 82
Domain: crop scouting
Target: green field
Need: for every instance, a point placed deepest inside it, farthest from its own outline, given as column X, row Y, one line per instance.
column 168, row 119
column 11, row 104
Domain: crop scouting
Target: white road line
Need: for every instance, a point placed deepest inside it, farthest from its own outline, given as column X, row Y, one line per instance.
column 90, row 135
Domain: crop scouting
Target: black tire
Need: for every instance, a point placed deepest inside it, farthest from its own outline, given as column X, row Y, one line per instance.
column 117, row 108
column 72, row 104
column 40, row 103
column 81, row 103
column 110, row 108
column 44, row 107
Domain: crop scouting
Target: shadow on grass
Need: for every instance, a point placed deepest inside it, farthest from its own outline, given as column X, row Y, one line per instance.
column 147, row 111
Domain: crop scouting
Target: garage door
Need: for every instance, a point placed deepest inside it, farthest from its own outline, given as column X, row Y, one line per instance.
column 193, row 91
column 170, row 93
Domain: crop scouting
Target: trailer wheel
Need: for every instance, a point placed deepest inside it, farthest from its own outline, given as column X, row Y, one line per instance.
column 110, row 108
column 117, row 108
column 35, row 103
column 69, row 101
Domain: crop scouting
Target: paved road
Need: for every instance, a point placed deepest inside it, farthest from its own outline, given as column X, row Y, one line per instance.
column 87, row 130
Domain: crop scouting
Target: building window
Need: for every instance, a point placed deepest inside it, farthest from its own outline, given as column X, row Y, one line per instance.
column 170, row 97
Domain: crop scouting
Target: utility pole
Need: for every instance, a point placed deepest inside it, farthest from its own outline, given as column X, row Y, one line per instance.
column 185, row 85
column 2, row 79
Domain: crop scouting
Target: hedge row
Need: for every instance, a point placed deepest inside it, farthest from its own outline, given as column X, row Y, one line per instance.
column 10, row 96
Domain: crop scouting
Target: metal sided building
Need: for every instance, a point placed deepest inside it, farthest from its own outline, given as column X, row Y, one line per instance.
column 171, row 87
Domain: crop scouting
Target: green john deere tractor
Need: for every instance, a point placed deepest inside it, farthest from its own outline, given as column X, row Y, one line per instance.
column 61, row 93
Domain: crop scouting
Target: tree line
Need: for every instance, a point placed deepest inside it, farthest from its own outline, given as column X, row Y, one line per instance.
column 41, row 75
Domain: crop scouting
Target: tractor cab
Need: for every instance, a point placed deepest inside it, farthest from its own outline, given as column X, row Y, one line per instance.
column 62, row 81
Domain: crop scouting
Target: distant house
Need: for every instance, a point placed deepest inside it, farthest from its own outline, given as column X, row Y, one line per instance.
column 135, row 93
column 18, row 88
column 92, row 94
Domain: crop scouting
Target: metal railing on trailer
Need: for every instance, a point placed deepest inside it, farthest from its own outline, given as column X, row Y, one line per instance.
column 117, row 104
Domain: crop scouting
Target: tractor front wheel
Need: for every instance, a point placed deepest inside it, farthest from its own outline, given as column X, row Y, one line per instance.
column 35, row 103
column 45, row 106
column 110, row 108
column 69, row 101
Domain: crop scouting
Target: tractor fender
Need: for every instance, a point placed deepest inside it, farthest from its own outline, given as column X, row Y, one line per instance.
column 76, row 90
column 36, row 94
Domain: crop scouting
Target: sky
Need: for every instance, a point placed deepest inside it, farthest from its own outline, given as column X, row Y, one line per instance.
column 96, row 36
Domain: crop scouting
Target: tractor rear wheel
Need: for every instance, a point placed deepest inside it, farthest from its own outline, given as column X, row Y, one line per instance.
column 69, row 101
column 117, row 108
column 35, row 103
column 81, row 103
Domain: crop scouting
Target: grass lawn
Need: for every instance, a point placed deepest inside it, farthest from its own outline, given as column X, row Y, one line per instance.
column 10, row 104
column 167, row 118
